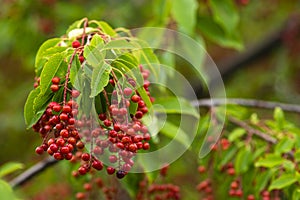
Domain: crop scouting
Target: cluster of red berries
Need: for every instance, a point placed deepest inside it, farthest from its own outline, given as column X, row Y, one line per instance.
column 160, row 191
column 224, row 144
column 235, row 189
column 55, row 84
column 205, row 188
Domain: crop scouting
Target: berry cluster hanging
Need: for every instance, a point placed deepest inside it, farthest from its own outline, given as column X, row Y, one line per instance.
column 90, row 94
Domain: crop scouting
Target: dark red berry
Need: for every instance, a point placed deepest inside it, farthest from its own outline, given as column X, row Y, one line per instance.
column 82, row 170
column 120, row 174
column 76, row 44
column 57, row 108
column 54, row 88
column 135, row 98
column 110, row 170
column 146, row 146
column 139, row 114
column 107, row 122
column 102, row 116
column 58, row 156
column 81, row 59
column 63, row 117
column 97, row 165
column 39, row 150
column 85, row 157
column 66, row 109
column 55, row 80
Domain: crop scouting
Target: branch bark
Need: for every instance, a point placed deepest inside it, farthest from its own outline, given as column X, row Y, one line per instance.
column 248, row 103
column 33, row 171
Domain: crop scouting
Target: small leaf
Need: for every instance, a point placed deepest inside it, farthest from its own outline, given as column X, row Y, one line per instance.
column 285, row 145
column 215, row 33
column 296, row 194
column 28, row 108
column 77, row 24
column 39, row 56
column 10, row 167
column 186, row 18
column 106, row 28
column 236, row 134
column 100, row 78
column 283, row 181
column 75, row 74
column 243, row 160
column 262, row 179
column 55, row 65
column 279, row 117
column 225, row 14
column 269, row 161
column 97, row 41
column 174, row 105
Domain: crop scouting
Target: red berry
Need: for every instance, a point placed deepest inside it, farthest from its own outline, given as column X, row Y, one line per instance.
column 53, row 147
column 231, row 171
column 87, row 186
column 39, row 150
column 97, row 165
column 102, row 116
column 110, row 170
column 58, row 156
column 239, row 193
column 75, row 93
column 85, row 157
column 135, row 98
column 80, row 145
column 55, row 80
column 82, row 170
column 66, row 109
column 60, row 142
column 201, row 169
column 81, row 59
column 139, row 114
column 76, row 44
column 113, row 158
column 107, row 122
column 80, row 196
column 127, row 91
column 57, row 108
column 63, row 117
column 65, row 150
column 251, row 197
column 54, row 88
column 64, row 133
column 141, row 103
column 146, row 146
column 133, row 147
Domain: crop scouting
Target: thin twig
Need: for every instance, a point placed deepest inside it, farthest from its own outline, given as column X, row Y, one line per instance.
column 67, row 76
column 246, row 102
column 253, row 131
column 33, row 171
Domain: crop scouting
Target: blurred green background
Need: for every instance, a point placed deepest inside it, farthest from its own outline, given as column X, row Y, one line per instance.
column 26, row 24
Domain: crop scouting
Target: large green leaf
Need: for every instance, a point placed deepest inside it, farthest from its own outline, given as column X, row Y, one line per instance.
column 6, row 191
column 29, row 113
column 75, row 75
column 100, row 78
column 93, row 55
column 269, row 161
column 39, row 61
column 186, row 18
column 283, row 181
column 225, row 14
column 55, row 65
column 40, row 103
column 174, row 132
column 10, row 167
column 284, row 145
column 174, row 105
column 215, row 33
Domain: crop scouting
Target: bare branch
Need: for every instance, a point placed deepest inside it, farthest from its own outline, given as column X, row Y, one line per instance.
column 247, row 102
column 33, row 171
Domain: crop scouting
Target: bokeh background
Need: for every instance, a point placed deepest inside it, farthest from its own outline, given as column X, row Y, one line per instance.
column 250, row 71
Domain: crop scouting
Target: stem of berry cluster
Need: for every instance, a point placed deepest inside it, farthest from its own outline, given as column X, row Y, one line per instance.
column 67, row 77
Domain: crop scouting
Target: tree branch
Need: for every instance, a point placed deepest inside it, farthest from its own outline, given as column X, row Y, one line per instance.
column 246, row 102
column 33, row 171
column 256, row 132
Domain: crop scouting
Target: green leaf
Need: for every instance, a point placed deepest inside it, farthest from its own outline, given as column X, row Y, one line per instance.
column 289, row 166
column 186, row 18
column 39, row 61
column 10, row 167
column 75, row 74
column 283, row 181
column 174, row 132
column 262, row 179
column 100, row 78
column 279, row 117
column 296, row 194
column 243, row 160
column 97, row 41
column 77, row 24
column 93, row 55
column 6, row 191
column 215, row 33
column 55, row 65
column 225, row 14
column 236, row 134
column 40, row 103
column 227, row 156
column 28, row 108
column 106, row 28
column 297, row 155
column 269, row 161
column 175, row 105
column 284, row 145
